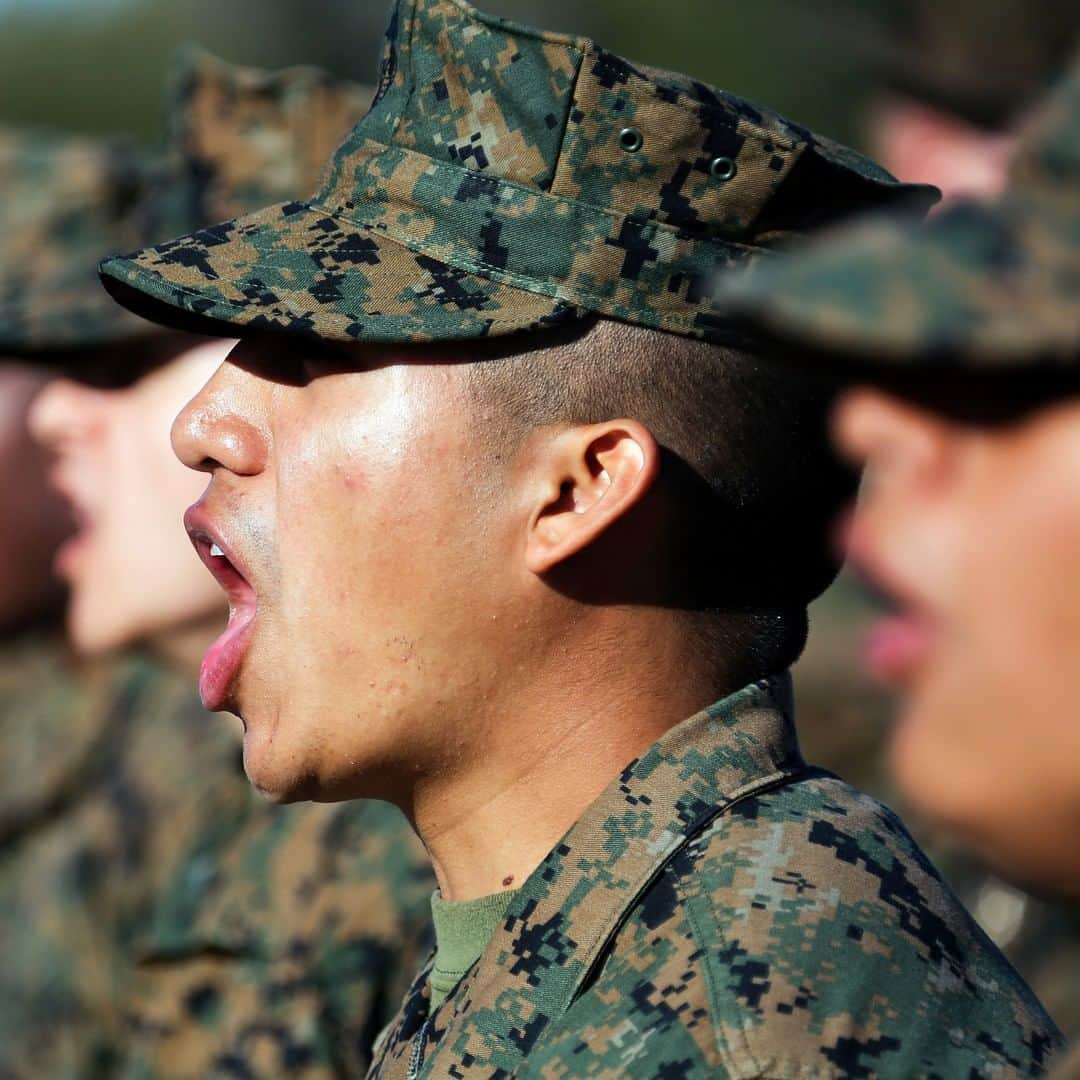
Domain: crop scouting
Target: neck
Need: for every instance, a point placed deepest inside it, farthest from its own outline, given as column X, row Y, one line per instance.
column 547, row 752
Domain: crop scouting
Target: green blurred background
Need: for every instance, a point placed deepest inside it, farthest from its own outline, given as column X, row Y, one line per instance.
column 95, row 65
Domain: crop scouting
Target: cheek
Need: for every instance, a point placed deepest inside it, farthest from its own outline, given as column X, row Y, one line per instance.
column 150, row 488
column 981, row 727
column 146, row 575
column 374, row 551
column 1023, row 593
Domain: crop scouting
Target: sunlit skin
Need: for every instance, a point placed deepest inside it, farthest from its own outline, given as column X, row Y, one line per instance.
column 974, row 532
column 35, row 519
column 133, row 575
column 418, row 632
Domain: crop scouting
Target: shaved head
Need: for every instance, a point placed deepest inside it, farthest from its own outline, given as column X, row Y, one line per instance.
column 753, row 483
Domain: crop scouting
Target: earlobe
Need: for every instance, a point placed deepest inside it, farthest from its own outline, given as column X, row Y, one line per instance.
column 596, row 476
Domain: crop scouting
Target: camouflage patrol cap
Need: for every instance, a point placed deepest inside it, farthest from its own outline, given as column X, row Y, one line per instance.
column 238, row 137
column 241, row 136
column 979, row 285
column 63, row 202
column 509, row 179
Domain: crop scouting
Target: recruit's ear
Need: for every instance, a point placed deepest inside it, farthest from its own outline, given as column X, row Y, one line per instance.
column 595, row 476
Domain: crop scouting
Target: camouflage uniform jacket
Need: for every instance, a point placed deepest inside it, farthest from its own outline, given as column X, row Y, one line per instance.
column 106, row 773
column 724, row 910
column 844, row 725
column 283, row 944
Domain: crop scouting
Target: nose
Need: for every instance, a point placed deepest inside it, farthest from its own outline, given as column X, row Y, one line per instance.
column 65, row 412
column 888, row 435
column 219, row 427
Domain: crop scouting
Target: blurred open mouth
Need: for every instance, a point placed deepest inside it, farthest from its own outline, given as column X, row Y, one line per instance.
column 225, row 657
column 903, row 636
column 71, row 554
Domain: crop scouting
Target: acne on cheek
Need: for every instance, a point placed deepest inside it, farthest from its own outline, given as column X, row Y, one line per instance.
column 353, row 481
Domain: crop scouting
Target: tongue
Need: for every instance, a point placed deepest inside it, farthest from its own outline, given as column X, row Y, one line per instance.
column 223, row 660
column 895, row 646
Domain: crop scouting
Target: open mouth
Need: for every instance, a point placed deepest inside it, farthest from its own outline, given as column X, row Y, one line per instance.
column 225, row 657
column 70, row 554
column 903, row 634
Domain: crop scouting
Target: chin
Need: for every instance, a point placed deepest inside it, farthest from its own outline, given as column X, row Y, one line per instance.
column 92, row 638
column 1033, row 855
column 932, row 778
column 276, row 786
column 280, row 777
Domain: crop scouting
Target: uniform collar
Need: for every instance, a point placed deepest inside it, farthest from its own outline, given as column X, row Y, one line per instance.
column 559, row 924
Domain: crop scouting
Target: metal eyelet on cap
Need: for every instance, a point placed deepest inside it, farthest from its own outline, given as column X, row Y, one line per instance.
column 723, row 168
column 631, row 140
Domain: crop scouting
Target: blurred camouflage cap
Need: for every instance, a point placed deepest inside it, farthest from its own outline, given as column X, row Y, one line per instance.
column 63, row 201
column 238, row 137
column 979, row 285
column 509, row 179
column 985, row 60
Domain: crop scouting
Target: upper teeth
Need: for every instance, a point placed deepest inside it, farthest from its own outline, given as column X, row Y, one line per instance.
column 216, row 552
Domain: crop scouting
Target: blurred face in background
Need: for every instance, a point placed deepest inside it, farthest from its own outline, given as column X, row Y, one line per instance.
column 133, row 574
column 971, row 532
column 35, row 520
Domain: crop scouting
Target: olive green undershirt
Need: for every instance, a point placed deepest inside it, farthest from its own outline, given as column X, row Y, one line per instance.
column 462, row 932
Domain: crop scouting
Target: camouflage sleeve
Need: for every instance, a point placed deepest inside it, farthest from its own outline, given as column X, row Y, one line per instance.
column 285, row 943
column 803, row 935
column 82, row 861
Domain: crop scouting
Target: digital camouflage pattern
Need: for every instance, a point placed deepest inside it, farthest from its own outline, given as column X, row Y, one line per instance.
column 507, row 179
column 994, row 286
column 238, row 138
column 241, row 135
column 285, row 942
column 66, row 201
column 845, row 723
column 107, row 773
column 157, row 918
column 724, row 910
column 128, row 832
column 284, row 936
column 1041, row 938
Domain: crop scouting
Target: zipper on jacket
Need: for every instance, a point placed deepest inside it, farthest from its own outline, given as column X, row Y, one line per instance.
column 416, row 1058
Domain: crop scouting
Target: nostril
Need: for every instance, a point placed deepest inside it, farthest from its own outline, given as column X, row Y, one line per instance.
column 206, row 439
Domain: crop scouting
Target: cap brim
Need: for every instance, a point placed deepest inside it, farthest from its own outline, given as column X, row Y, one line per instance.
column 294, row 269
column 63, row 315
column 970, row 288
